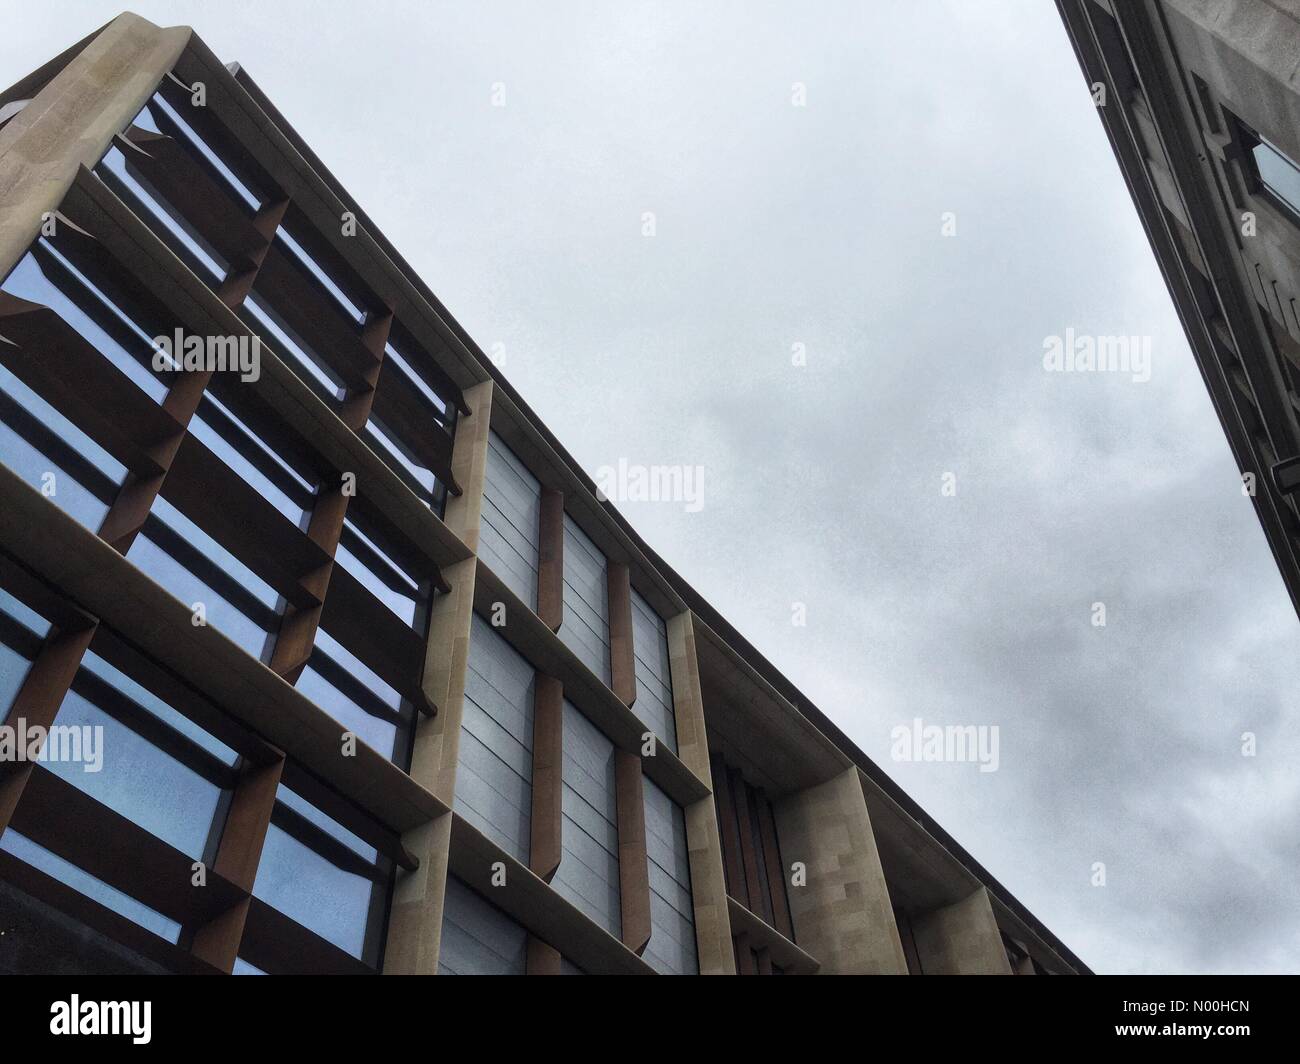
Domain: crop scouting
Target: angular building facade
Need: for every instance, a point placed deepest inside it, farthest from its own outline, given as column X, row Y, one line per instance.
column 1201, row 102
column 335, row 660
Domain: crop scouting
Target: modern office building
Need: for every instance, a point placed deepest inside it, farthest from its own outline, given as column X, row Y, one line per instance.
column 1201, row 102
column 345, row 665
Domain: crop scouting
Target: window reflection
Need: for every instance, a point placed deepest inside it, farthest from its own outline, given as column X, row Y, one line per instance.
column 152, row 772
column 192, row 566
column 397, row 577
column 53, row 456
column 355, row 697
column 21, row 631
column 244, row 451
column 323, row 876
column 84, row 883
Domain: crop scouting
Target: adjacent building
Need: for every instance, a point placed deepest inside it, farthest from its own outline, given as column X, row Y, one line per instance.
column 335, row 659
column 1201, row 102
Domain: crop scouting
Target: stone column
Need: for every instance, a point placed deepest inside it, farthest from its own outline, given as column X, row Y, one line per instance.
column 961, row 939
column 842, row 914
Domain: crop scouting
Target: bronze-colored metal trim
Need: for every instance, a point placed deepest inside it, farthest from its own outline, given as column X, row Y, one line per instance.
column 475, row 858
column 240, row 850
column 547, row 653
column 550, row 559
column 728, row 828
column 621, row 661
column 742, row 799
column 542, row 959
column 633, row 863
column 546, row 848
column 772, row 866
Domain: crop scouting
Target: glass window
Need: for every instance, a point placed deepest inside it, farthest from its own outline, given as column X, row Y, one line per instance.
column 390, row 571
column 1279, row 175
column 399, row 457
column 298, row 253
column 320, row 874
column 138, row 762
column 365, row 705
column 48, row 277
column 417, row 439
column 84, row 883
column 55, row 457
column 27, row 617
column 123, row 177
column 314, row 371
column 186, row 561
column 160, row 116
column 21, row 631
column 444, row 411
column 269, row 474
column 212, row 746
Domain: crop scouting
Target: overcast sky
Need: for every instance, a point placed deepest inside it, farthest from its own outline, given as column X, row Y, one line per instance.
column 821, row 225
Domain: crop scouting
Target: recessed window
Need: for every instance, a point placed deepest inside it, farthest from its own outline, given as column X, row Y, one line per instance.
column 1279, row 175
column 323, row 876
column 21, row 631
column 183, row 559
column 341, row 685
column 167, row 780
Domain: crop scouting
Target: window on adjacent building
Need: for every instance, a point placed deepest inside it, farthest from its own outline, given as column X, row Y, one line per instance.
column 1279, row 175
